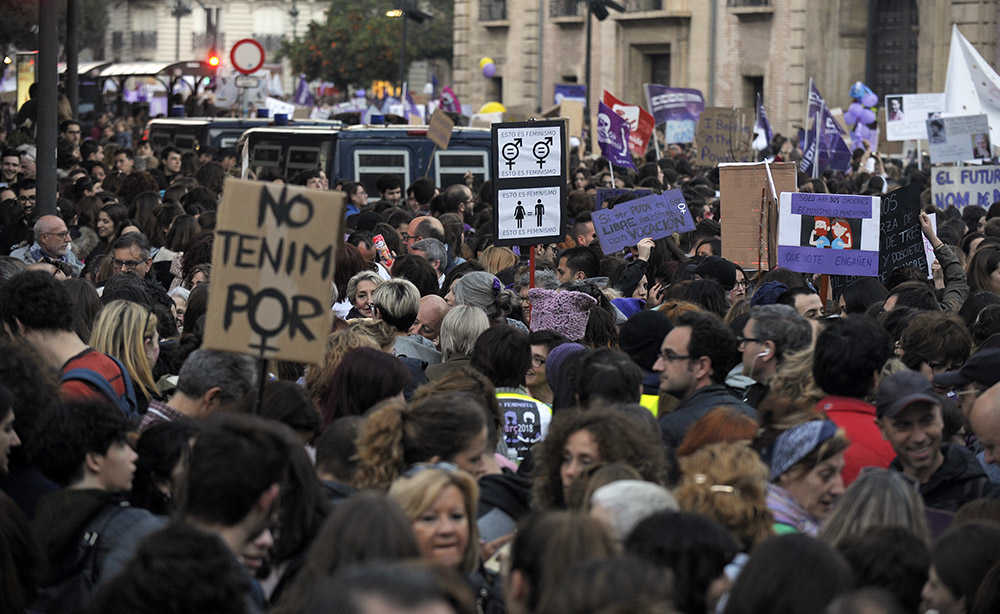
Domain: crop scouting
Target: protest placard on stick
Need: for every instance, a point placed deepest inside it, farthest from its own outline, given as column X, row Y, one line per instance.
column 832, row 234
column 958, row 186
column 272, row 270
column 724, row 135
column 655, row 216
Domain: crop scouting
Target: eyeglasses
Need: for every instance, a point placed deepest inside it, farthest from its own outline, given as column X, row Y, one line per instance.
column 742, row 340
column 62, row 235
column 670, row 356
column 128, row 265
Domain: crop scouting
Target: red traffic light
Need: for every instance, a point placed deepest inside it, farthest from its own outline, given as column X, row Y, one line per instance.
column 213, row 59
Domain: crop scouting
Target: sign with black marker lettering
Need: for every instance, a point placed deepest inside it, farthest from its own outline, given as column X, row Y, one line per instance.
column 272, row 270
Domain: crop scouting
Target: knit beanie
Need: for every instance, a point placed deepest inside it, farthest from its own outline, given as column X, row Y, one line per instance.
column 767, row 294
column 563, row 311
column 719, row 269
column 642, row 336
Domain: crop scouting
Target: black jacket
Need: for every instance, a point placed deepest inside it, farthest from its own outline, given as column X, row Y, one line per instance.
column 674, row 425
column 957, row 481
column 63, row 516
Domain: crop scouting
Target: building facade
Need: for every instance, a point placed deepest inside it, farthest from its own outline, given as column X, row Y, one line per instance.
column 147, row 30
column 728, row 49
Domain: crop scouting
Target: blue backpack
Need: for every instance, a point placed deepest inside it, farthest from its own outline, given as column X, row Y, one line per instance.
column 126, row 402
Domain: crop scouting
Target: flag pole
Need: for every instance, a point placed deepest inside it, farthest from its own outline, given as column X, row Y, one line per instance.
column 819, row 117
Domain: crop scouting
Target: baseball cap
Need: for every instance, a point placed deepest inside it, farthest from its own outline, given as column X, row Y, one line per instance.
column 983, row 367
column 902, row 389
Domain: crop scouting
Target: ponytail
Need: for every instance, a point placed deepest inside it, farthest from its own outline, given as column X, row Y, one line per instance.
column 380, row 446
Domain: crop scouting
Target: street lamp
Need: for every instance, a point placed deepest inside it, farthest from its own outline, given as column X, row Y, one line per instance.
column 407, row 9
column 599, row 9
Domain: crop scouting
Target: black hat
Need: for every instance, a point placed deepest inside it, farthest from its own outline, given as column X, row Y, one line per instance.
column 902, row 389
column 982, row 368
column 719, row 269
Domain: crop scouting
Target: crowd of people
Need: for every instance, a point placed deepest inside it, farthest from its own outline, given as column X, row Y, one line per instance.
column 656, row 430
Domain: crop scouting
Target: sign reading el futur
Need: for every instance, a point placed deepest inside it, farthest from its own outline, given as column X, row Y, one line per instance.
column 272, row 270
column 531, row 176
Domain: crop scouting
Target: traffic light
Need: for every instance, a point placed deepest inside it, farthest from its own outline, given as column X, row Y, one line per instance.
column 213, row 58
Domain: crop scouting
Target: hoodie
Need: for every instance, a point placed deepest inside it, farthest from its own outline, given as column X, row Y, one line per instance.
column 957, row 481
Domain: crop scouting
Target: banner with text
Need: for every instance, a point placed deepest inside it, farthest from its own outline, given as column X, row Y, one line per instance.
column 835, row 234
column 677, row 108
column 272, row 270
column 655, row 216
column 958, row 186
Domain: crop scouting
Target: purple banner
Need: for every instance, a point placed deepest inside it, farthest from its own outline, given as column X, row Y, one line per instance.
column 570, row 91
column 612, row 136
column 828, row 261
column 605, row 194
column 673, row 103
column 832, row 205
column 655, row 216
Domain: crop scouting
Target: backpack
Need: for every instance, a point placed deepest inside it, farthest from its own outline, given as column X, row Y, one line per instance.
column 126, row 402
column 74, row 591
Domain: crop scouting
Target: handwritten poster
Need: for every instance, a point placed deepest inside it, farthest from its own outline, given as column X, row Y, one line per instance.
column 272, row 270
column 655, row 216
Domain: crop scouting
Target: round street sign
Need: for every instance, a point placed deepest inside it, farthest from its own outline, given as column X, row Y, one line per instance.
column 247, row 56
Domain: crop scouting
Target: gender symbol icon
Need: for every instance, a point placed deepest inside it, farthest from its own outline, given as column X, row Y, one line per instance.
column 510, row 151
column 539, row 212
column 519, row 214
column 541, row 151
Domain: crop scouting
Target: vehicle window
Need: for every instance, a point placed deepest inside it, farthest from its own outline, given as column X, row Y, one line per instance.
column 451, row 167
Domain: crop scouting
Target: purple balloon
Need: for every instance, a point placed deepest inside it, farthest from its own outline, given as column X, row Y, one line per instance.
column 850, row 118
column 866, row 116
column 489, row 70
column 869, row 100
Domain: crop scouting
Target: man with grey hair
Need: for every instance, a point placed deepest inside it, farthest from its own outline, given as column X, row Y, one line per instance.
column 28, row 156
column 771, row 333
column 52, row 242
column 434, row 252
column 209, row 381
column 623, row 504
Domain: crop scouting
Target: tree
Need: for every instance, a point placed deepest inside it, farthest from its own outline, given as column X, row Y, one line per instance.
column 358, row 44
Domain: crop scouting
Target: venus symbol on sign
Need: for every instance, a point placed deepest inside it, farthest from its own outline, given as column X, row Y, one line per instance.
column 510, row 151
column 541, row 150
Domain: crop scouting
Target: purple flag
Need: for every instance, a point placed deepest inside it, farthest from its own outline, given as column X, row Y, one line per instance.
column 828, row 146
column 673, row 103
column 762, row 123
column 410, row 107
column 612, row 136
column 303, row 96
column 449, row 101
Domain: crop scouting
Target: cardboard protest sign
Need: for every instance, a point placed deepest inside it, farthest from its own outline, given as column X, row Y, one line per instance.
column 677, row 108
column 439, row 130
column 527, row 161
column 886, row 146
column 571, row 110
column 640, row 123
column 272, row 270
column 750, row 214
column 605, row 194
column 953, row 139
column 907, row 114
column 958, row 186
column 829, row 233
column 655, row 216
column 724, row 135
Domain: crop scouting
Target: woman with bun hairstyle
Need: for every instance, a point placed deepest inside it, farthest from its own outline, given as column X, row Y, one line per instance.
column 444, row 428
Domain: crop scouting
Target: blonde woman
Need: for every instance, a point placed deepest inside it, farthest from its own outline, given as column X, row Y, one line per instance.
column 127, row 331
column 727, row 482
column 496, row 259
column 440, row 500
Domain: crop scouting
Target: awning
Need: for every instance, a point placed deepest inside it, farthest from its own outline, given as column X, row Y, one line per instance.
column 193, row 68
column 85, row 69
